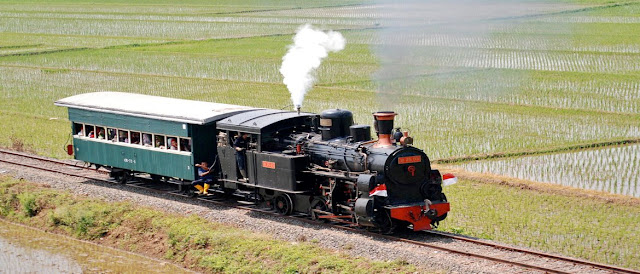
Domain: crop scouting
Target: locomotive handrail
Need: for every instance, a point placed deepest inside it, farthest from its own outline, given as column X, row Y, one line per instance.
column 265, row 187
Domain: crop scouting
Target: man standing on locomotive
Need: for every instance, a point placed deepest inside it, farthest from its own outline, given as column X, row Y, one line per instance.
column 241, row 143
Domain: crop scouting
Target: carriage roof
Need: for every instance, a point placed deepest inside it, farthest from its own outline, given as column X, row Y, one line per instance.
column 153, row 107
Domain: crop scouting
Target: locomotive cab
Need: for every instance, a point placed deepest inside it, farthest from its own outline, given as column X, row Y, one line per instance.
column 273, row 168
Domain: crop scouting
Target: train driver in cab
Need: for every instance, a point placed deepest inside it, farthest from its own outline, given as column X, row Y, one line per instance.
column 240, row 144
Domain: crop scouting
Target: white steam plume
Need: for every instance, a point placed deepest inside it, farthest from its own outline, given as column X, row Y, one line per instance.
column 304, row 57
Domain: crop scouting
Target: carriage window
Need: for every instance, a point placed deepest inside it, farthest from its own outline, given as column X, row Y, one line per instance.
column 100, row 134
column 123, row 136
column 159, row 141
column 172, row 143
column 146, row 139
column 91, row 131
column 111, row 134
column 185, row 144
column 78, row 129
column 135, row 138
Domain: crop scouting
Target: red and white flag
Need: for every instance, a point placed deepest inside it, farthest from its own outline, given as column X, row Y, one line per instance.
column 449, row 179
column 380, row 190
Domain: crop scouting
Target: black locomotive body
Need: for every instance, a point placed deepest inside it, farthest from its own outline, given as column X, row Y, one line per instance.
column 325, row 166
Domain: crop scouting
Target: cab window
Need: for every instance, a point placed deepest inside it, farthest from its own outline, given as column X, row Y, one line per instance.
column 222, row 139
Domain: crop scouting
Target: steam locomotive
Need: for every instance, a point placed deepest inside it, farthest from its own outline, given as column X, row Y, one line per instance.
column 297, row 163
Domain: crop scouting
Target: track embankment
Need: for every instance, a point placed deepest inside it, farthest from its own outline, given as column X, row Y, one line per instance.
column 441, row 251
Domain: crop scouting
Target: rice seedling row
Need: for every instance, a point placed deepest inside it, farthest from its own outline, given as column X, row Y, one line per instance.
column 613, row 170
column 191, row 18
column 153, row 29
column 598, row 92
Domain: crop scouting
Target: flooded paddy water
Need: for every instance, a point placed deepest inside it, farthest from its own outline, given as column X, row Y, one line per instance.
column 615, row 170
column 26, row 250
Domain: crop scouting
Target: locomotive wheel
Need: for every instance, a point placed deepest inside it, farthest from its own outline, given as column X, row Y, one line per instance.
column 319, row 204
column 283, row 204
column 385, row 223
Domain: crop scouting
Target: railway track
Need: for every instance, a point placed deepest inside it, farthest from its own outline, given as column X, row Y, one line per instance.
column 495, row 252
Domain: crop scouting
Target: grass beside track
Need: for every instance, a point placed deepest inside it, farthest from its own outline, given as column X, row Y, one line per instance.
column 585, row 226
column 189, row 241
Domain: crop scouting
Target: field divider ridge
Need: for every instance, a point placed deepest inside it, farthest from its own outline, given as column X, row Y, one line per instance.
column 497, row 155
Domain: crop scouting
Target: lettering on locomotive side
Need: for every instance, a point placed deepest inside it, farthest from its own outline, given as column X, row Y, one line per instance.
column 409, row 159
column 267, row 164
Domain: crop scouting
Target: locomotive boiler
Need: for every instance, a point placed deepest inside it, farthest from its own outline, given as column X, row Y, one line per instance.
column 383, row 183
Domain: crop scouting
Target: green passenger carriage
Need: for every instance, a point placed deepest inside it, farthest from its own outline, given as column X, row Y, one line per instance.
column 131, row 133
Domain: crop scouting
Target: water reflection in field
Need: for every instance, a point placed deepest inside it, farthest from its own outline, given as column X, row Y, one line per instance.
column 614, row 170
column 24, row 250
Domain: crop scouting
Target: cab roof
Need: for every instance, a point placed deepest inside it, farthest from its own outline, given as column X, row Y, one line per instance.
column 152, row 107
column 258, row 120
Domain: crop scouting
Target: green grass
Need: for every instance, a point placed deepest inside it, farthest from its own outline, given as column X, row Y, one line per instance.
column 190, row 241
column 581, row 227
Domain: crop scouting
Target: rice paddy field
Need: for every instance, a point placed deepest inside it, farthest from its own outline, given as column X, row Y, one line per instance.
column 611, row 169
column 467, row 79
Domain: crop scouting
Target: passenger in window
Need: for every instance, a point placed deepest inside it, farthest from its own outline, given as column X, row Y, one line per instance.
column 91, row 135
column 173, row 144
column 111, row 134
column 222, row 139
column 184, row 145
column 135, row 138
column 146, row 139
column 79, row 130
column 160, row 142
column 101, row 134
column 124, row 136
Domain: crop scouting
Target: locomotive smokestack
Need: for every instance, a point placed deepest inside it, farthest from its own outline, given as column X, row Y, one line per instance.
column 298, row 109
column 384, row 127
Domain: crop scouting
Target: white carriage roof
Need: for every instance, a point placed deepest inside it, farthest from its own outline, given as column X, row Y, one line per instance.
column 153, row 107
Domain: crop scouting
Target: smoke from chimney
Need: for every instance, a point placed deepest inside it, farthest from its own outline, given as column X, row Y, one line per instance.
column 304, row 57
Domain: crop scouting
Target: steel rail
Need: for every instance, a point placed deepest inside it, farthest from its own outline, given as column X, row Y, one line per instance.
column 532, row 252
column 349, row 228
